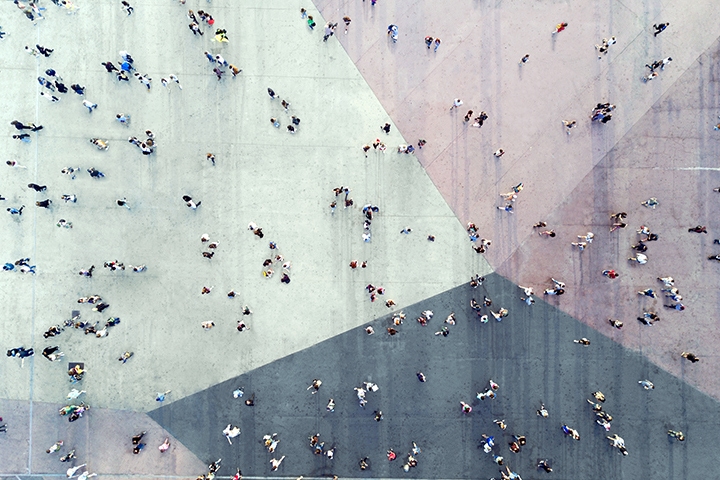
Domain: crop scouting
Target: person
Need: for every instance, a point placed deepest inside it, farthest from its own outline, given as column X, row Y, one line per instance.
column 89, row 105
column 392, row 30
column 76, row 373
column 659, row 28
column 569, row 125
column 648, row 292
column 690, row 356
column 160, row 397
column 125, row 357
column 487, row 443
column 276, row 463
column 599, row 396
column 95, row 173
column 610, row 273
column 640, row 258
column 640, row 246
column 49, row 353
column 329, row 31
column 190, row 203
column 618, row 442
column 677, row 435
column 675, row 306
column 571, row 432
column 646, row 384
column 651, row 203
column 560, row 27
column 69, row 456
column 20, row 126
column 221, row 35
column 137, row 438
column 165, row 445
column 71, row 471
column 231, row 432
column 315, row 385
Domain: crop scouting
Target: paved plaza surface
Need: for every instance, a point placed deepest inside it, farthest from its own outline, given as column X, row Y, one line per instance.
column 530, row 354
column 660, row 143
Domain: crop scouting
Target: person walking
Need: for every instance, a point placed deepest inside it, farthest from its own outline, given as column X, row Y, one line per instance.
column 560, row 27
column 690, row 356
column 89, row 105
column 659, row 28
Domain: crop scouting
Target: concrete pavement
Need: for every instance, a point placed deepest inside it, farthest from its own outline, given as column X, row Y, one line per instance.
column 661, row 136
column 284, row 183
column 530, row 354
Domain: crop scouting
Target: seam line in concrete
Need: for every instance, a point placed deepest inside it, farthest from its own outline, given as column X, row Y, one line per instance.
column 34, row 282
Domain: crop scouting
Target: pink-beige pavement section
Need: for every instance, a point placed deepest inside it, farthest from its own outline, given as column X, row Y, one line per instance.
column 669, row 154
column 660, row 143
column 95, row 438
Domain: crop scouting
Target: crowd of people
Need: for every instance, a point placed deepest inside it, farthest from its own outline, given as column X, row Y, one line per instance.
column 54, row 88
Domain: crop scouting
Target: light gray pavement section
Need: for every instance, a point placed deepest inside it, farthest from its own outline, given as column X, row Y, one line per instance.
column 283, row 182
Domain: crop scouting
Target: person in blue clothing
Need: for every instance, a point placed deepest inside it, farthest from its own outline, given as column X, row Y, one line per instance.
column 393, row 32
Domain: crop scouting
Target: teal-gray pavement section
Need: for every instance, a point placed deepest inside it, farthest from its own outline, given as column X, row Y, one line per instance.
column 530, row 354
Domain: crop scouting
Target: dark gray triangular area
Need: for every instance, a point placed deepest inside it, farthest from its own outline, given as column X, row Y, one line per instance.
column 530, row 354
